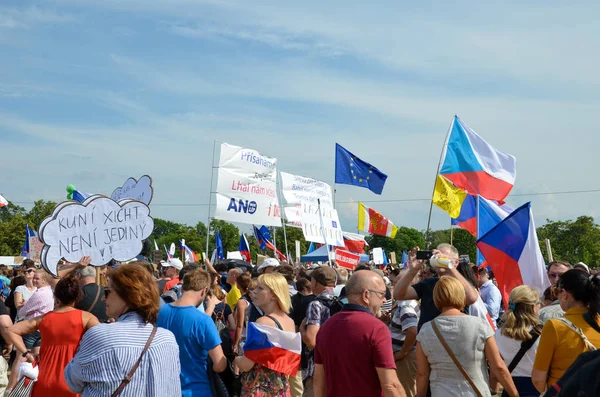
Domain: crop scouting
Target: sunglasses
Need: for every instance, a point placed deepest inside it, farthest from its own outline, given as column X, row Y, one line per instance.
column 29, row 271
column 107, row 292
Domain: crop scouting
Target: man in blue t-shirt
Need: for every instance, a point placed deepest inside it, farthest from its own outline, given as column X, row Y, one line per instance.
column 196, row 335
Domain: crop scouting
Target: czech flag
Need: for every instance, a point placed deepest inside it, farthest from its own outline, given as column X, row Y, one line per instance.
column 354, row 242
column 474, row 166
column 190, row 256
column 3, row 201
column 490, row 214
column 512, row 250
column 28, row 234
column 169, row 255
column 275, row 349
column 264, row 242
column 244, row 249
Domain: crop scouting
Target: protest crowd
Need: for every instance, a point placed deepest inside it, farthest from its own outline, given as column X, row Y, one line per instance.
column 436, row 327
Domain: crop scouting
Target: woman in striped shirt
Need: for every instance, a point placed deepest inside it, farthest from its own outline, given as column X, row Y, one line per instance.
column 109, row 351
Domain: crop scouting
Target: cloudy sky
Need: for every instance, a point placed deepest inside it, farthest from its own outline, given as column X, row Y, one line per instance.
column 92, row 92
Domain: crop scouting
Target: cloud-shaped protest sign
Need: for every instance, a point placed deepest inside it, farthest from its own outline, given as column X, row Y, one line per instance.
column 140, row 190
column 99, row 227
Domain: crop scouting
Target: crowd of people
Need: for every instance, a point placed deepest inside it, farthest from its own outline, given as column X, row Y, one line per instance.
column 174, row 329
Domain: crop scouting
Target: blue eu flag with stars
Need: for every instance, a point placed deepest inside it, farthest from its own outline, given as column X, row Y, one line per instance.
column 350, row 170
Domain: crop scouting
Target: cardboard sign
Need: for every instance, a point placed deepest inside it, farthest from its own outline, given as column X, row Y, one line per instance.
column 246, row 187
column 346, row 259
column 35, row 249
column 99, row 227
column 140, row 190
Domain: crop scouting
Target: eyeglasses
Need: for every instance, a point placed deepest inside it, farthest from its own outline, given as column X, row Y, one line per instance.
column 381, row 294
column 107, row 292
column 29, row 270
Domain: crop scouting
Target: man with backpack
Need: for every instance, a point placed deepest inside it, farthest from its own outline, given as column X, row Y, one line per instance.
column 325, row 304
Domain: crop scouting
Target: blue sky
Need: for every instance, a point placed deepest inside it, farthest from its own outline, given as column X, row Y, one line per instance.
column 92, row 92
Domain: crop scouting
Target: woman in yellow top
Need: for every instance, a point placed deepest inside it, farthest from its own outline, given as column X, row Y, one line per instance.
column 564, row 339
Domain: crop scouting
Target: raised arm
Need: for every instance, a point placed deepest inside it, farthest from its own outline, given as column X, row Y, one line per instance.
column 403, row 289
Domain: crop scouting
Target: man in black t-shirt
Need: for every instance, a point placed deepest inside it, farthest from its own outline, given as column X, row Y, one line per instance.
column 424, row 289
column 5, row 322
column 93, row 293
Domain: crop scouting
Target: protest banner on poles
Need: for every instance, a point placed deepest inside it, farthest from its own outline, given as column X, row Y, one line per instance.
column 140, row 190
column 246, row 187
column 346, row 259
column 303, row 195
column 99, row 227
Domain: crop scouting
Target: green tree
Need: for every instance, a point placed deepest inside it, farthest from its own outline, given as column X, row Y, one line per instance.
column 406, row 239
column 573, row 241
column 11, row 210
column 461, row 239
column 40, row 211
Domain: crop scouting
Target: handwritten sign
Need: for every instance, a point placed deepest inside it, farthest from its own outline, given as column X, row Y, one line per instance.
column 99, row 227
column 140, row 190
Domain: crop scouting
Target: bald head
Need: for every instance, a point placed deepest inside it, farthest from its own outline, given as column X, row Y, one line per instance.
column 362, row 281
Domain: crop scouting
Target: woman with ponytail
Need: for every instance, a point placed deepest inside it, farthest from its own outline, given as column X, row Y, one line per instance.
column 564, row 339
column 518, row 338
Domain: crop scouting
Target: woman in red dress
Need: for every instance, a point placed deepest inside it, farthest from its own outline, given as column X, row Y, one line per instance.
column 61, row 330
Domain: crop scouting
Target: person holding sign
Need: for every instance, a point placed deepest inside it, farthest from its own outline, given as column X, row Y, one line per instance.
column 61, row 330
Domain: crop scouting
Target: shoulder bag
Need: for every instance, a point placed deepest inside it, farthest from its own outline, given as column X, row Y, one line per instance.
column 454, row 359
column 525, row 346
column 127, row 378
column 579, row 332
column 95, row 299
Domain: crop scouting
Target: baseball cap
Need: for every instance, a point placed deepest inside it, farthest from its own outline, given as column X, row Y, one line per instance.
column 269, row 262
column 583, row 265
column 325, row 276
column 173, row 262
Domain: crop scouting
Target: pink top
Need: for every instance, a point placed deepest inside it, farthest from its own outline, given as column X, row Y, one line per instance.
column 41, row 302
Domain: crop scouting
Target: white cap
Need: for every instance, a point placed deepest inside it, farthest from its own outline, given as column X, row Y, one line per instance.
column 173, row 262
column 587, row 269
column 269, row 262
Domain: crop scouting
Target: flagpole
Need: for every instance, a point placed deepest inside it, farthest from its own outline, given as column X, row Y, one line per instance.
column 427, row 242
column 212, row 173
column 477, row 253
column 451, row 233
column 282, row 215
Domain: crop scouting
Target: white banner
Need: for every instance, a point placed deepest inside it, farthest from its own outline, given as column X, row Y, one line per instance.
column 246, row 187
column 303, row 193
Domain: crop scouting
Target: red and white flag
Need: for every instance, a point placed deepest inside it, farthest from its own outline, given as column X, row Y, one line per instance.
column 3, row 201
column 371, row 221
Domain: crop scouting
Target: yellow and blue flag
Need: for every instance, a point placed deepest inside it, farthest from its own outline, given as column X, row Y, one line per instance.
column 350, row 170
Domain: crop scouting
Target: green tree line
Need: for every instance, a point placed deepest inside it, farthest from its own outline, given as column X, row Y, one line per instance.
column 573, row 240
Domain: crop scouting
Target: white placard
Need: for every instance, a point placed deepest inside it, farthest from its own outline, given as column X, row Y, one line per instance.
column 234, row 255
column 302, row 194
column 297, row 190
column 312, row 221
column 99, row 227
column 297, row 251
column 377, row 255
column 140, row 190
column 246, row 187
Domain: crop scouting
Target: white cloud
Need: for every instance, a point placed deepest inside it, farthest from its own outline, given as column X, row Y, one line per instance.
column 28, row 17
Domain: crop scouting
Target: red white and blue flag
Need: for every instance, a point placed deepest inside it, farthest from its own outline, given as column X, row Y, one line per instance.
column 190, row 256
column 169, row 255
column 244, row 249
column 512, row 250
column 490, row 214
column 263, row 241
column 474, row 166
column 29, row 232
column 273, row 348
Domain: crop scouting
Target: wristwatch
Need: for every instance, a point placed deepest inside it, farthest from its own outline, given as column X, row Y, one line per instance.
column 26, row 353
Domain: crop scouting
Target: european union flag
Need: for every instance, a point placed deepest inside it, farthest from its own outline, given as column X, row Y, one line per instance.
column 350, row 170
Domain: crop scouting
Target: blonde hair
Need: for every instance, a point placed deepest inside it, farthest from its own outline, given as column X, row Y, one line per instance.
column 279, row 288
column 520, row 316
column 449, row 292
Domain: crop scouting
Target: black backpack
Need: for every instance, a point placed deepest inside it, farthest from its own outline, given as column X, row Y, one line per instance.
column 334, row 304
